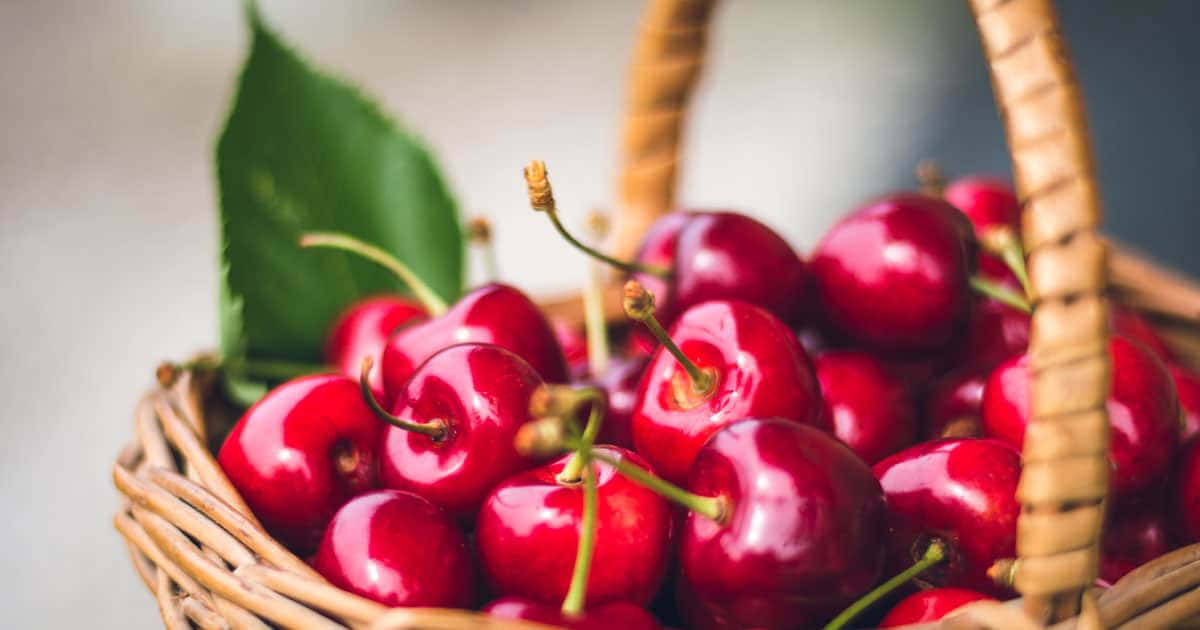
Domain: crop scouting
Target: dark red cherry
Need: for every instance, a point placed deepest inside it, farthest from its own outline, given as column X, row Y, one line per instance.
column 802, row 529
column 620, row 384
column 622, row 615
column 479, row 395
column 574, row 346
column 758, row 369
column 301, row 452
column 399, row 550
column 995, row 332
column 958, row 491
column 1132, row 539
column 929, row 605
column 363, row 329
column 1184, row 494
column 495, row 314
column 1127, row 323
column 1187, row 387
column 989, row 203
column 528, row 531
column 658, row 249
column 953, row 407
column 1143, row 415
column 871, row 410
column 894, row 274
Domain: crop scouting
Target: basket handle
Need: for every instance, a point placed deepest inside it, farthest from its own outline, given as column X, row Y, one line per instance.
column 1065, row 474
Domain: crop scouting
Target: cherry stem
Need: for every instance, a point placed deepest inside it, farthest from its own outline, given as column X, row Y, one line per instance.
column 334, row 240
column 934, row 553
column 710, row 507
column 639, row 306
column 930, row 177
column 435, row 430
column 571, row 471
column 541, row 199
column 1000, row 294
column 573, row 603
column 594, row 323
column 1014, row 258
column 479, row 233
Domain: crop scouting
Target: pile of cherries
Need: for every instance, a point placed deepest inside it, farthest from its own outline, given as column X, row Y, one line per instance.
column 806, row 428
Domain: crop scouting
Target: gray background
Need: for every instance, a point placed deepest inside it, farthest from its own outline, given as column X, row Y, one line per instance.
column 109, row 112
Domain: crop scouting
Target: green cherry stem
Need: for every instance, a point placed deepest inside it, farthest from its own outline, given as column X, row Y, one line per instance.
column 334, row 240
column 593, row 313
column 639, row 306
column 435, row 430
column 541, row 199
column 934, row 553
column 1003, row 243
column 711, row 507
column 574, row 467
column 1000, row 294
column 576, row 598
column 479, row 234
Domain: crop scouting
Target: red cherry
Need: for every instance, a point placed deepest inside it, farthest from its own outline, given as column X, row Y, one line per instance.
column 658, row 250
column 1187, row 387
column 757, row 369
column 1184, row 493
column 1127, row 323
column 894, row 274
column 930, row 605
column 1143, row 414
column 995, row 332
column 870, row 409
column 1131, row 540
column 574, row 346
column 801, row 533
column 399, row 550
column 621, row 615
column 479, row 395
column 363, row 329
column 495, row 314
column 301, row 452
column 528, row 531
column 958, row 491
column 953, row 407
column 620, row 385
column 989, row 203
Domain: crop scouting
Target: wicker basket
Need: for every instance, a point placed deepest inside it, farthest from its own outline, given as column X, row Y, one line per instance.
column 209, row 564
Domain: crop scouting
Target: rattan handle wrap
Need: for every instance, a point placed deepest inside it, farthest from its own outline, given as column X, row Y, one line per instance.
column 1065, row 475
column 667, row 59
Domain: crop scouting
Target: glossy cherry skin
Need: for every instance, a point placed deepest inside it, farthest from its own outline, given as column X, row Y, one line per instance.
column 363, row 329
column 760, row 371
column 301, row 452
column 1184, row 494
column 804, row 530
column 528, row 531
column 870, row 409
column 481, row 393
column 400, row 550
column 620, row 384
column 959, row 491
column 929, row 605
column 989, row 203
column 1127, row 323
column 995, row 333
column 1187, row 387
column 953, row 407
column 1131, row 540
column 495, row 314
column 623, row 615
column 573, row 342
column 658, row 249
column 894, row 274
column 1143, row 415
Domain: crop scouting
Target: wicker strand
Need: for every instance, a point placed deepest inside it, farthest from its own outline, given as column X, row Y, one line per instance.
column 168, row 605
column 202, row 615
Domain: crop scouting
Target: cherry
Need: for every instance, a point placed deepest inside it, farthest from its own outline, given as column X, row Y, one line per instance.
column 1127, row 323
column 529, row 528
column 620, row 385
column 953, row 406
column 1185, row 494
column 959, row 492
column 996, row 331
column 300, row 452
column 1131, row 540
column 453, row 424
column 658, row 250
column 1143, row 414
column 870, row 409
column 894, row 275
column 1187, row 387
column 399, row 550
column 991, row 206
column 621, row 615
column 929, row 605
column 363, row 329
column 724, row 361
column 574, row 346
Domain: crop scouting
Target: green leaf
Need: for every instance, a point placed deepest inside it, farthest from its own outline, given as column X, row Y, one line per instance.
column 300, row 152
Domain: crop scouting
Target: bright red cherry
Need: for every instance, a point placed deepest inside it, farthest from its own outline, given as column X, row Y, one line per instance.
column 362, row 330
column 960, row 492
column 399, row 550
column 1184, row 505
column 1131, row 540
column 871, row 410
column 1187, row 387
column 476, row 396
column 495, row 314
column 1143, row 414
column 1127, row 323
column 301, row 452
column 621, row 615
column 953, row 407
column 574, row 346
column 800, row 534
column 989, row 203
column 894, row 275
column 528, row 531
column 658, row 250
column 620, row 385
column 929, row 605
column 754, row 367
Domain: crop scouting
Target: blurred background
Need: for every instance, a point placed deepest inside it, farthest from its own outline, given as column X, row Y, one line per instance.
column 108, row 237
